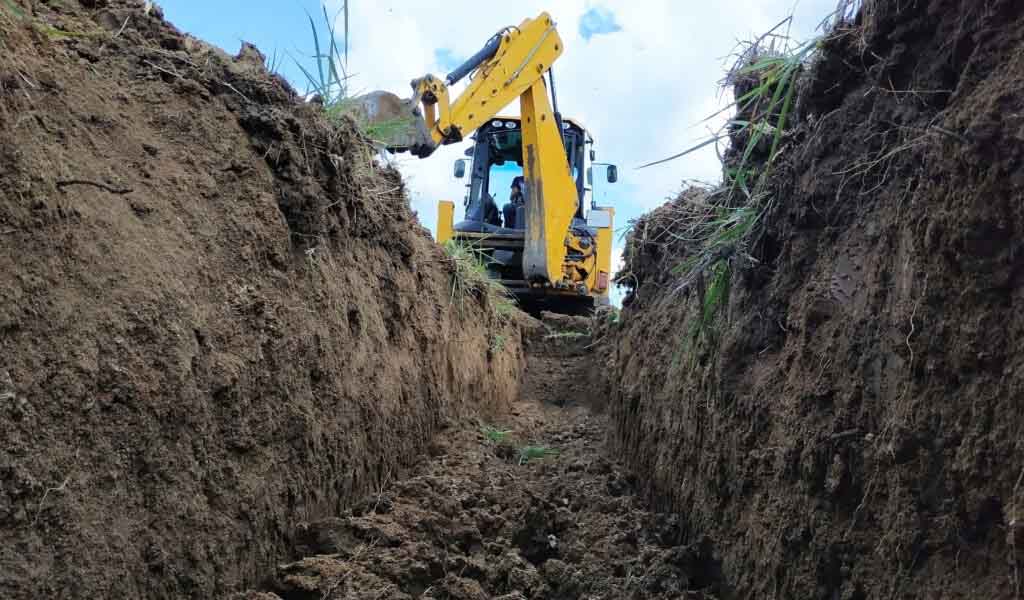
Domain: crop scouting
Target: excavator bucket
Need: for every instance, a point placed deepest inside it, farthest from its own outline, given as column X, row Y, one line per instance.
column 392, row 122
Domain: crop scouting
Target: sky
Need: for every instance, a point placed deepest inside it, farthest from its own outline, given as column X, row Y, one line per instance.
column 641, row 75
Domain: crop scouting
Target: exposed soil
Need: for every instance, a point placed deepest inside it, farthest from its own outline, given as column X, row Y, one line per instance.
column 479, row 521
column 858, row 431
column 229, row 358
column 218, row 316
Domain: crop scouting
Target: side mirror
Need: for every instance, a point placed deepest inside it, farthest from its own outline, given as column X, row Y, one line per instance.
column 593, row 155
column 469, row 151
column 613, row 173
column 460, row 168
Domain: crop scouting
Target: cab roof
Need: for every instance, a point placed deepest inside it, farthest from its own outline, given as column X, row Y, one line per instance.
column 571, row 121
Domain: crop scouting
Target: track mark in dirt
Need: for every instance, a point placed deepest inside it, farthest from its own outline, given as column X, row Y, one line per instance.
column 96, row 184
column 488, row 517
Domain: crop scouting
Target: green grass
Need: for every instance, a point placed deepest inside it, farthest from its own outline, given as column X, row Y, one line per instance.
column 382, row 131
column 274, row 62
column 723, row 233
column 10, row 8
column 9, row 5
column 705, row 328
column 470, row 279
column 495, row 435
column 328, row 78
column 525, row 454
column 528, row 453
column 613, row 315
column 59, row 34
column 503, row 305
column 469, row 275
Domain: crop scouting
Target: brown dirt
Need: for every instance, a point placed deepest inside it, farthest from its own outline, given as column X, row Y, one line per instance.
column 558, row 349
column 476, row 522
column 226, row 345
column 218, row 316
column 860, row 431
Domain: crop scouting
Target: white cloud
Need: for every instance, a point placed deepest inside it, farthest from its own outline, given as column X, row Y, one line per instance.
column 640, row 91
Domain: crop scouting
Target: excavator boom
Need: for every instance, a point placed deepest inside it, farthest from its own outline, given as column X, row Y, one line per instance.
column 552, row 245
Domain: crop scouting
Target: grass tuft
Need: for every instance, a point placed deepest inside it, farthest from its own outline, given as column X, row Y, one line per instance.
column 470, row 279
column 719, row 234
column 328, row 78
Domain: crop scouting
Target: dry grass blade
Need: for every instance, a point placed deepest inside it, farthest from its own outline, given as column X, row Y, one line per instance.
column 706, row 142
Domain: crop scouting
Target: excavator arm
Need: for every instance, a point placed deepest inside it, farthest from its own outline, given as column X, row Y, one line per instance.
column 511, row 65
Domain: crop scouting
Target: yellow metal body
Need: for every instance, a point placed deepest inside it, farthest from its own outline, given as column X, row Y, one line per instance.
column 601, row 277
column 525, row 54
column 445, row 220
column 516, row 70
column 551, row 192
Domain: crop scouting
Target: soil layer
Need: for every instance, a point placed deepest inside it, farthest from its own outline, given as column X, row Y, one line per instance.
column 218, row 316
column 530, row 507
column 858, row 429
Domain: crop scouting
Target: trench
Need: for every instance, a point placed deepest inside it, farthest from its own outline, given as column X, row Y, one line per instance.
column 231, row 361
column 528, row 505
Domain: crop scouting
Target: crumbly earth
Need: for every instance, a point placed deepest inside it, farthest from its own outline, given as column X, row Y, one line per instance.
column 856, row 429
column 486, row 518
column 221, row 327
column 218, row 315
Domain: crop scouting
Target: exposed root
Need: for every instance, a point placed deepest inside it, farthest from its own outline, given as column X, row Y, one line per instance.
column 42, row 502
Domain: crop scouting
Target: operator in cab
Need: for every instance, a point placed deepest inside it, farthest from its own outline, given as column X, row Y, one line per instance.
column 516, row 199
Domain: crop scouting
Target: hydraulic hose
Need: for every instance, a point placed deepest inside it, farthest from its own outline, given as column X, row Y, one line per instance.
column 554, row 106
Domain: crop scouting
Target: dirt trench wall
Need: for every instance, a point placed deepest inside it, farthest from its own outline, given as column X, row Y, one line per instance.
column 860, row 432
column 218, row 316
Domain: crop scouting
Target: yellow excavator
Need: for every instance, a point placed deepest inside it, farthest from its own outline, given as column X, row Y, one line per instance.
column 550, row 245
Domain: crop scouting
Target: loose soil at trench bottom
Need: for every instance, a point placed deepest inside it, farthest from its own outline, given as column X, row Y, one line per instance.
column 479, row 522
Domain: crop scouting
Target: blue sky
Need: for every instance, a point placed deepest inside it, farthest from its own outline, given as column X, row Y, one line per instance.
column 447, row 59
column 641, row 75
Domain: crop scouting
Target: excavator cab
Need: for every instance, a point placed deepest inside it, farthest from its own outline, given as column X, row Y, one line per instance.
column 494, row 218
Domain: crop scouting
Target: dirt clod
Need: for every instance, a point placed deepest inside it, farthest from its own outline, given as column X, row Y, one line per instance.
column 471, row 524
